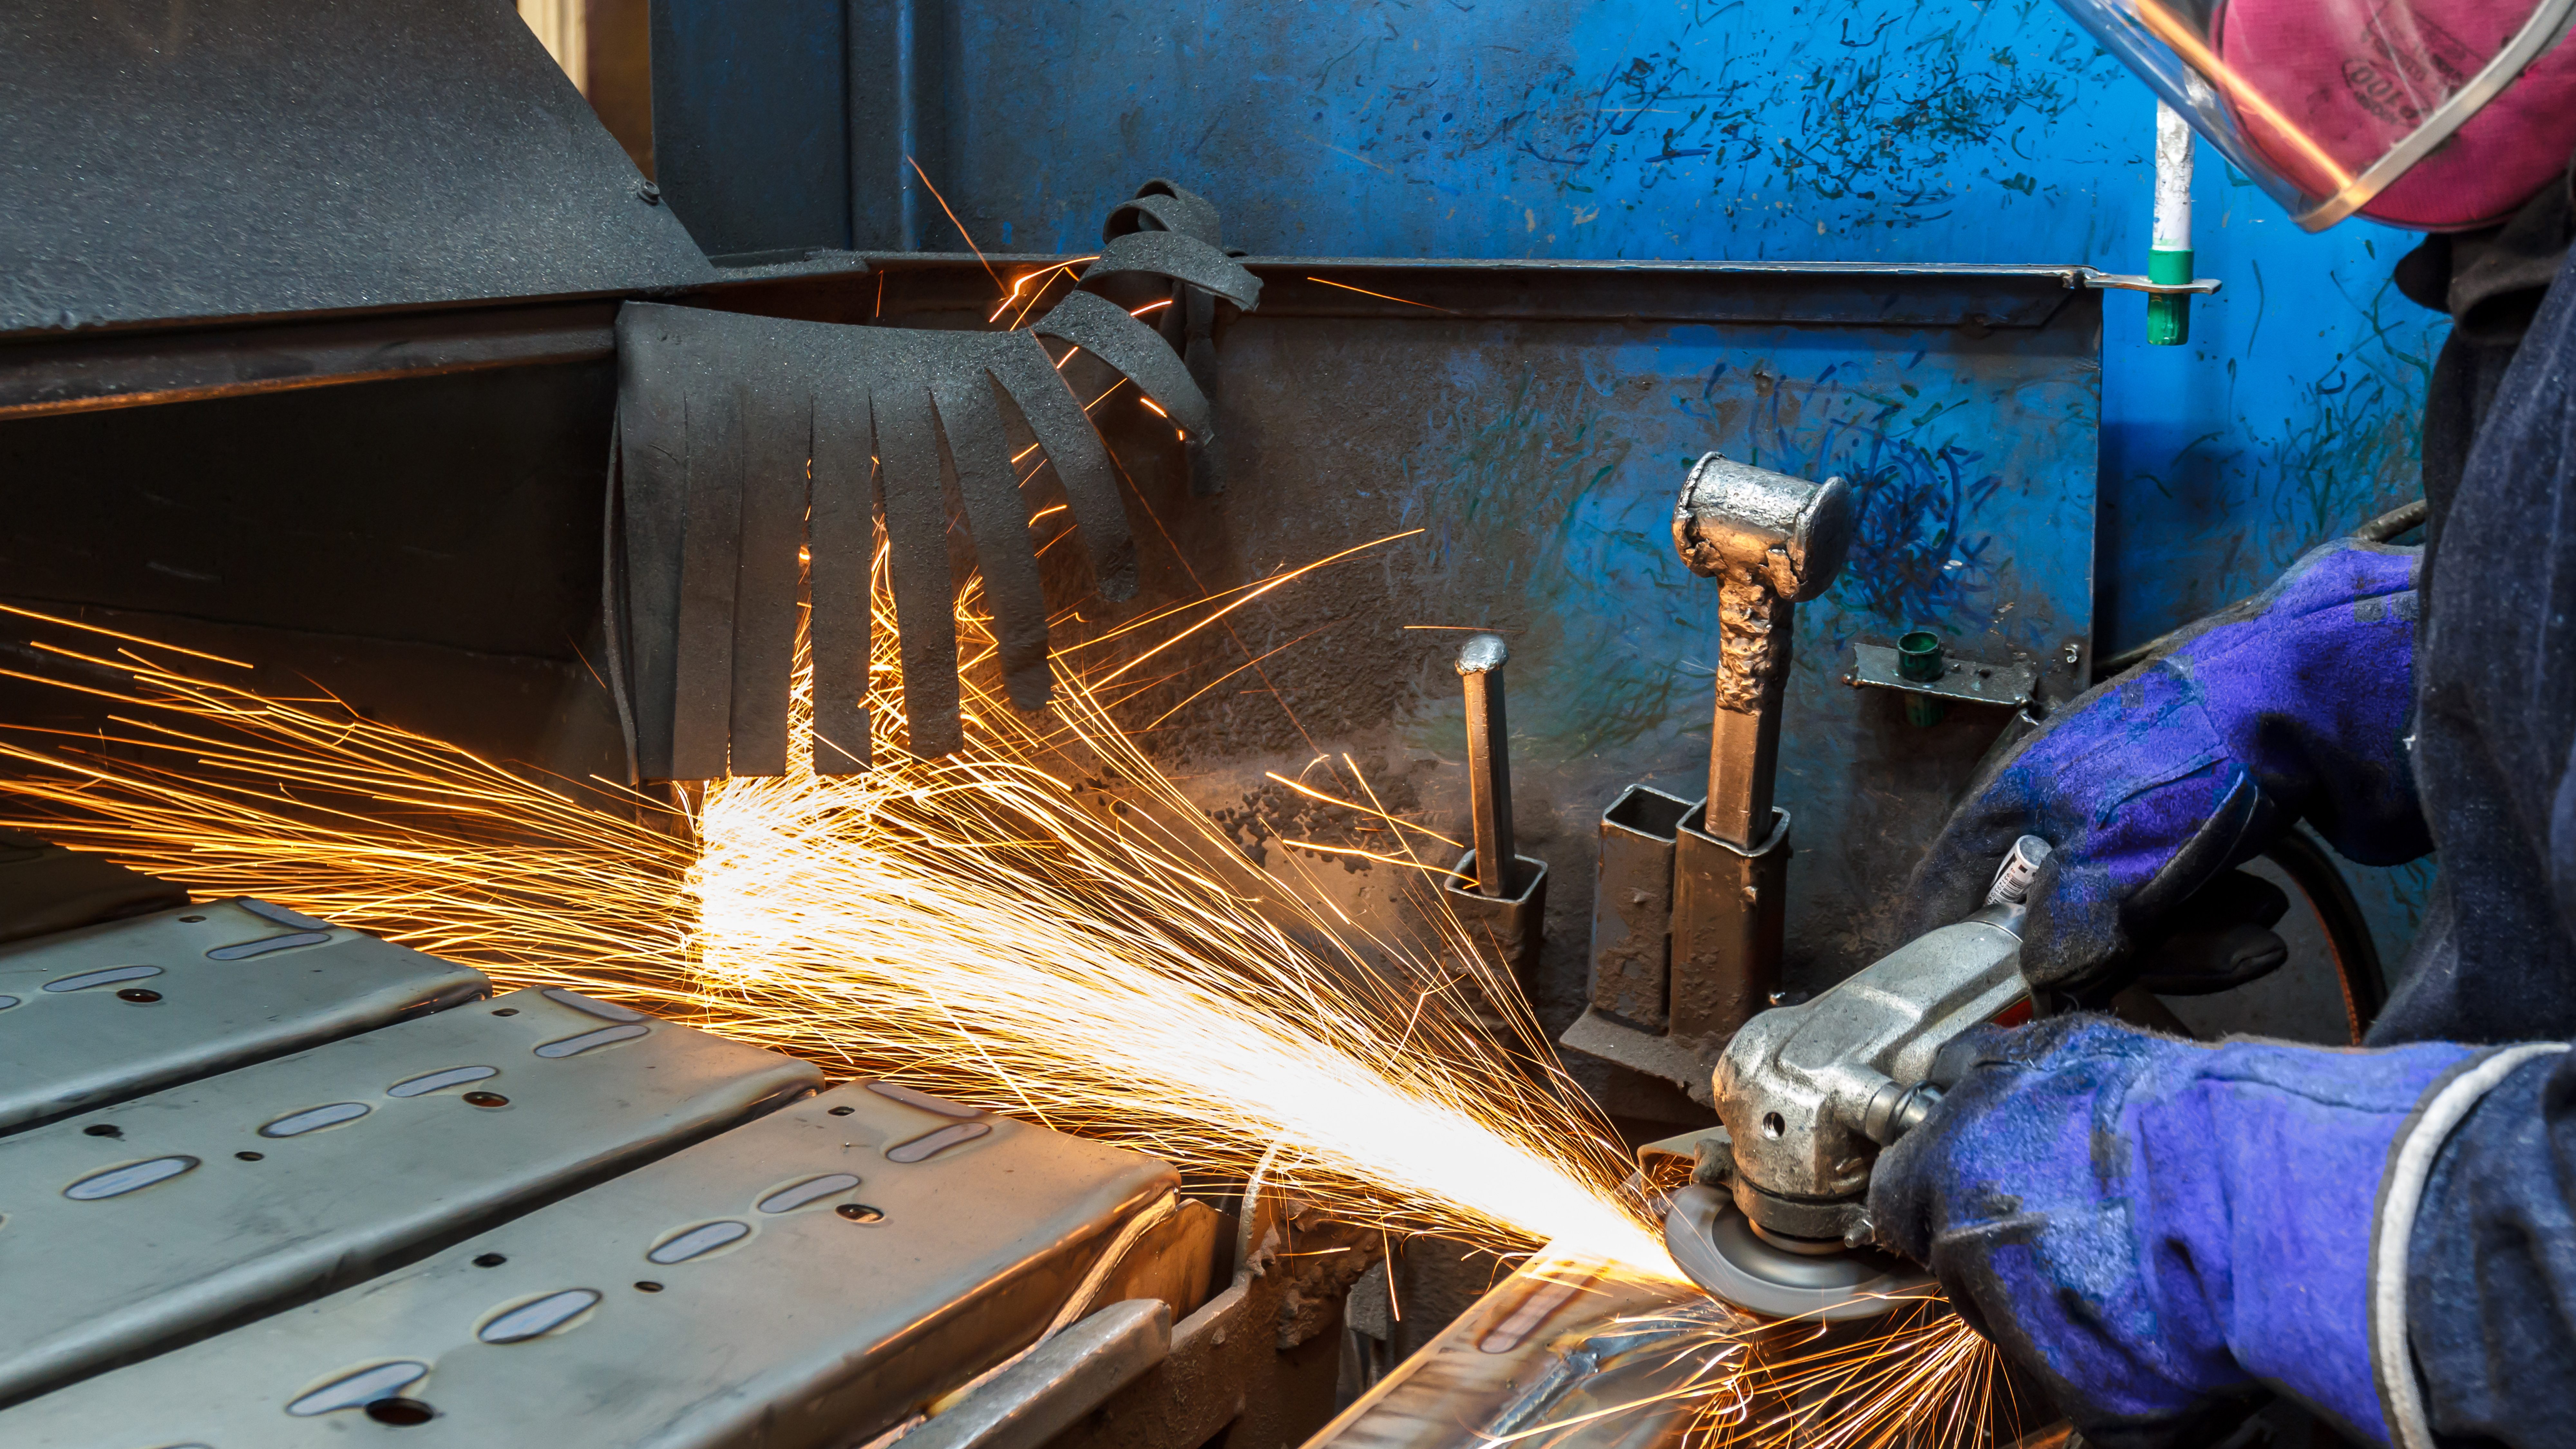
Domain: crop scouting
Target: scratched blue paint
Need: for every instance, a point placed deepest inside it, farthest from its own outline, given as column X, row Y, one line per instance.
column 1951, row 130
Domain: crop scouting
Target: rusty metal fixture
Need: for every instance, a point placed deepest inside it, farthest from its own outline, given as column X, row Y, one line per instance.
column 1503, row 907
column 1771, row 541
column 1489, row 766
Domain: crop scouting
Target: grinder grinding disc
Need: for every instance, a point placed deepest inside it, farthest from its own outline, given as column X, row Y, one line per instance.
column 1713, row 1243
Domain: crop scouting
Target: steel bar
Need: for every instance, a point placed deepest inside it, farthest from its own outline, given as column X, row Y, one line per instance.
column 1489, row 766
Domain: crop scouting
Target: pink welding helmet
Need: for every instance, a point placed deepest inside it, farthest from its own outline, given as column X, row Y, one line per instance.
column 2435, row 115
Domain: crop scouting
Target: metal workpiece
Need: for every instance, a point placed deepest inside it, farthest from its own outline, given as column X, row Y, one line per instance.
column 1506, row 930
column 1770, row 540
column 1556, row 1343
column 1058, row 1382
column 794, row 1283
column 1504, row 911
column 1728, row 915
column 1489, row 761
column 1632, row 907
column 1809, row 1092
column 107, row 1012
column 1963, row 681
column 152, row 1221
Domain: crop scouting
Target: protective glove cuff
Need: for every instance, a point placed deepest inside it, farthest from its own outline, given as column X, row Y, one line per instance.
column 2419, row 1140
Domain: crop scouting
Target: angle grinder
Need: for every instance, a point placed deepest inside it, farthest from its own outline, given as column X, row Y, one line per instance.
column 1776, row 1218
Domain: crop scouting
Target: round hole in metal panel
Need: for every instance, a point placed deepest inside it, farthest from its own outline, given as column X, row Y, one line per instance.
column 605, row 1011
column 252, row 1156
column 314, row 1119
column 103, row 1129
column 109, row 976
column 507, row 1011
column 191, row 920
column 359, row 1389
column 573, row 1046
column 859, row 1212
column 843, row 1111
column 139, row 995
column 133, row 1177
column 400, row 1411
column 812, row 1190
column 489, row 1260
column 931, row 1144
column 705, row 1238
column 539, row 1317
column 647, row 1285
column 244, row 950
column 485, row 1099
column 429, row 1082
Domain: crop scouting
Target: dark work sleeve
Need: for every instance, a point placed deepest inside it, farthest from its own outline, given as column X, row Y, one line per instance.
column 2491, row 1268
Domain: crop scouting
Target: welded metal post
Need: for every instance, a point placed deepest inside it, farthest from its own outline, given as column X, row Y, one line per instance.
column 1770, row 540
column 1489, row 770
column 1497, row 894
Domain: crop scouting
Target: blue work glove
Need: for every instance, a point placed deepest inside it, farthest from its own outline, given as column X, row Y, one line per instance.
column 2155, row 1227
column 2293, row 705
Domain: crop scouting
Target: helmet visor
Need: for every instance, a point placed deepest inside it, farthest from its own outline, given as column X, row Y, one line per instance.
column 2430, row 114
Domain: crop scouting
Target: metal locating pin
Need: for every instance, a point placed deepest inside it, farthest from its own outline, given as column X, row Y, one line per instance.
column 1489, row 765
column 2012, row 878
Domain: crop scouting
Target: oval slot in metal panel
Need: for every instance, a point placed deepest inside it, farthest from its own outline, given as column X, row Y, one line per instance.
column 422, row 1086
column 118, row 1181
column 280, row 914
column 931, row 1144
column 704, row 1238
column 314, row 1119
column 7, row 1001
column 811, row 1190
column 109, row 977
column 573, row 1046
column 896, row 1092
column 533, row 1320
column 261, row 947
column 360, row 1389
column 605, row 1011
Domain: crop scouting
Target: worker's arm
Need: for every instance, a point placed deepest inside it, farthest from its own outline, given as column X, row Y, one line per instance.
column 2290, row 706
column 2157, row 1228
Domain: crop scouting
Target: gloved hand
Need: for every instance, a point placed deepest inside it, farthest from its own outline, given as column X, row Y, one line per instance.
column 2291, row 705
column 2155, row 1227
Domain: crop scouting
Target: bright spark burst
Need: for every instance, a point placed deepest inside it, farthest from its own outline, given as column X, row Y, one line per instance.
column 1042, row 924
column 1101, row 960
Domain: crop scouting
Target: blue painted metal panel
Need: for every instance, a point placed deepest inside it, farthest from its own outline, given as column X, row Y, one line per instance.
column 1947, row 131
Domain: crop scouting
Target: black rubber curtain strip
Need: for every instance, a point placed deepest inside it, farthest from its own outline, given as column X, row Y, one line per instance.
column 1163, row 204
column 841, row 534
column 1181, row 258
column 916, row 523
column 972, row 423
column 1103, row 329
column 721, row 414
column 776, row 437
column 743, row 439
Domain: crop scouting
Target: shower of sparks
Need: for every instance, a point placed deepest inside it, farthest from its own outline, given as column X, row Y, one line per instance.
column 1921, row 1376
column 1042, row 924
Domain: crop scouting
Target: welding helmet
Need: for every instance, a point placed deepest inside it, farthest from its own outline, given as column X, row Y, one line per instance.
column 2434, row 115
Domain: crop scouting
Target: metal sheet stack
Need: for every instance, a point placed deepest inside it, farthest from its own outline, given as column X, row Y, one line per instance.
column 265, row 1181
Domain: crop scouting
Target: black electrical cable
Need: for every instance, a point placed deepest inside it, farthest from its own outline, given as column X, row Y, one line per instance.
column 2348, row 940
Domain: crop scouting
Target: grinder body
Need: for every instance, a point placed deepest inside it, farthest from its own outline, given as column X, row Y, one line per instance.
column 1809, row 1093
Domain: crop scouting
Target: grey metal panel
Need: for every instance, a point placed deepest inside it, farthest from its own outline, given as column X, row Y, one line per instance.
column 77, row 1047
column 85, row 372
column 250, row 1222
column 243, row 158
column 814, row 1328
